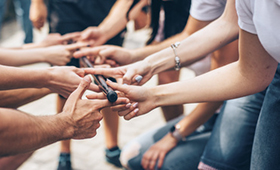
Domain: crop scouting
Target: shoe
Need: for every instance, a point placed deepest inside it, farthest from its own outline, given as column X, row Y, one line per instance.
column 64, row 162
column 113, row 156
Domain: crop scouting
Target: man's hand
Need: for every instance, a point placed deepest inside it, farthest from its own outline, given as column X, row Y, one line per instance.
column 64, row 80
column 94, row 35
column 38, row 13
column 107, row 54
column 84, row 115
column 60, row 55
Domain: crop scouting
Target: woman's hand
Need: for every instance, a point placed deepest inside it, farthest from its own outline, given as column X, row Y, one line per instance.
column 137, row 73
column 107, row 54
column 60, row 55
column 156, row 153
column 142, row 100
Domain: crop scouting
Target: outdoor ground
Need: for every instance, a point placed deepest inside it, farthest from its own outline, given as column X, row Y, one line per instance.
column 86, row 154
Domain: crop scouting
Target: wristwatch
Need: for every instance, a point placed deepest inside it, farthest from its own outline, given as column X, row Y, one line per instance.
column 175, row 132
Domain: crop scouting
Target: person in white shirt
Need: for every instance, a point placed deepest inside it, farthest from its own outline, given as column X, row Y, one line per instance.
column 256, row 70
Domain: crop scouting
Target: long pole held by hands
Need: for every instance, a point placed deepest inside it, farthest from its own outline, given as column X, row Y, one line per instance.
column 101, row 82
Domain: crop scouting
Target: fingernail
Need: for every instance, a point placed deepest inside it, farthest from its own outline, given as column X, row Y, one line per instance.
column 91, row 78
column 138, row 78
column 87, row 79
column 128, row 105
column 136, row 110
column 135, row 104
column 125, row 84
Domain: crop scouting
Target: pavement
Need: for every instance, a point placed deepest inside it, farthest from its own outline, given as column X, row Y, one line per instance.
column 86, row 154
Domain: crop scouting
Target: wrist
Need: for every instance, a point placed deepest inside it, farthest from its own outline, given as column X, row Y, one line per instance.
column 161, row 61
column 176, row 133
column 67, row 129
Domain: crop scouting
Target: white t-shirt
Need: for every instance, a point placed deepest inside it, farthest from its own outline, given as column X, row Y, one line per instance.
column 207, row 10
column 262, row 17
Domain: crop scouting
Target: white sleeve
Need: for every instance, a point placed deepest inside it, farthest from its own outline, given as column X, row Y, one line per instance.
column 207, row 10
column 245, row 15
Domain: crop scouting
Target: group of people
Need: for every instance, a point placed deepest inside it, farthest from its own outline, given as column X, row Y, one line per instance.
column 235, row 124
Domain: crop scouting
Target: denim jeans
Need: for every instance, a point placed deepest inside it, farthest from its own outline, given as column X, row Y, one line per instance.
column 266, row 149
column 230, row 144
column 185, row 155
column 22, row 12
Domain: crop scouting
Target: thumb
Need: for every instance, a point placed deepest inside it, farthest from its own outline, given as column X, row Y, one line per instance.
column 83, row 86
column 128, row 77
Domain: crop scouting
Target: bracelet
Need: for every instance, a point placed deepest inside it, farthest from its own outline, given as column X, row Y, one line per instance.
column 177, row 59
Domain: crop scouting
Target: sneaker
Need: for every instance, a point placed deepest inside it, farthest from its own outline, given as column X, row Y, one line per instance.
column 64, row 162
column 113, row 156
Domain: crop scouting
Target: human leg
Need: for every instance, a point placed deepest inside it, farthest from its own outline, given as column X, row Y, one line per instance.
column 22, row 12
column 170, row 112
column 265, row 153
column 230, row 144
column 3, row 5
column 191, row 149
column 111, row 127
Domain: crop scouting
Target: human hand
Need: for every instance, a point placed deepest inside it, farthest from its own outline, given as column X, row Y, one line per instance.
column 84, row 115
column 106, row 54
column 137, row 73
column 156, row 153
column 64, row 80
column 142, row 100
column 60, row 55
column 38, row 14
column 94, row 35
column 57, row 39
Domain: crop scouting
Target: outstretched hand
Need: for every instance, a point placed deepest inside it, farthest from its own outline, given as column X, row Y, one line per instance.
column 137, row 73
column 83, row 114
column 107, row 54
column 141, row 98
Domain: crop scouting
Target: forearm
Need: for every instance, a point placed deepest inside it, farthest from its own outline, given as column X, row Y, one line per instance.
column 20, row 132
column 200, row 43
column 197, row 117
column 142, row 53
column 21, row 57
column 12, row 77
column 18, row 97
column 116, row 19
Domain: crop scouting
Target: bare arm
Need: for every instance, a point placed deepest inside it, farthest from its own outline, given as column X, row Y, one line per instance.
column 252, row 73
column 192, row 26
column 110, row 26
column 26, row 132
column 62, row 80
column 20, row 132
column 200, row 43
column 18, row 97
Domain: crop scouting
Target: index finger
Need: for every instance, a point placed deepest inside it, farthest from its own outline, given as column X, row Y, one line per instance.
column 88, row 51
column 116, row 86
column 75, row 46
column 70, row 36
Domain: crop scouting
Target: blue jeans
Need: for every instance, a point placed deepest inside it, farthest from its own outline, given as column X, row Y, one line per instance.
column 22, row 12
column 185, row 155
column 230, row 144
column 266, row 149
